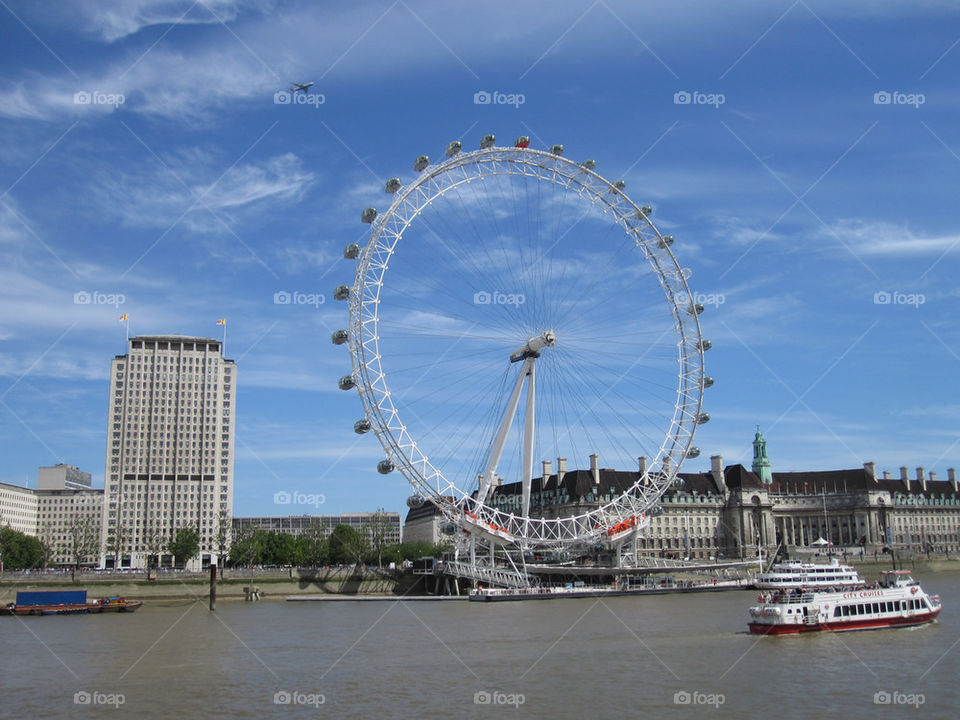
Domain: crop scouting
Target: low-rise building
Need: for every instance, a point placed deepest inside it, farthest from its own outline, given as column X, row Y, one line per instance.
column 368, row 524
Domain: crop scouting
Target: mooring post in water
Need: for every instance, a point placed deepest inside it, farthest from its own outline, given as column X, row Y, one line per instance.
column 213, row 587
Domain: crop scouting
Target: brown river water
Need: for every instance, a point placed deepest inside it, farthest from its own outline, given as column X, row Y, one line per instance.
column 655, row 656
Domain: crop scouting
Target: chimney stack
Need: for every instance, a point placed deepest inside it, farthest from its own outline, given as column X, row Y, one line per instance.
column 933, row 476
column 547, row 471
column 886, row 474
column 561, row 469
column 595, row 469
column 716, row 470
column 871, row 468
column 922, row 479
column 642, row 464
column 952, row 477
column 904, row 478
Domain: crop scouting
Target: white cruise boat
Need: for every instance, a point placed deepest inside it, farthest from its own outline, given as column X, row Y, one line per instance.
column 796, row 574
column 896, row 601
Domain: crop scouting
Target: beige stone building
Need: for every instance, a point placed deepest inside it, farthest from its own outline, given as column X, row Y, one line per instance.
column 170, row 447
column 730, row 511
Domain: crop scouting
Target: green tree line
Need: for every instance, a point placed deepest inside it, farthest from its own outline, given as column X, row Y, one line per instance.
column 344, row 546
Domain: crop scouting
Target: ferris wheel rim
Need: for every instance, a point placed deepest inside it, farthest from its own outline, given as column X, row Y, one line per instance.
column 384, row 417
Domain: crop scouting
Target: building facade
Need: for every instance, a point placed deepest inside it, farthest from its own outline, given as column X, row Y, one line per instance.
column 170, row 448
column 68, row 522
column 18, row 508
column 731, row 512
column 367, row 524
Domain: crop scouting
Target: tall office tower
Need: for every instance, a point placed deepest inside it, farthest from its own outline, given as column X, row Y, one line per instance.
column 170, row 441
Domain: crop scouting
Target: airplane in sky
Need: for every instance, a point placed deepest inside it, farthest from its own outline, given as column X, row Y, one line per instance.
column 299, row 87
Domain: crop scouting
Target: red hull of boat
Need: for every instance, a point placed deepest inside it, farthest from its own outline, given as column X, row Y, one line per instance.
column 866, row 624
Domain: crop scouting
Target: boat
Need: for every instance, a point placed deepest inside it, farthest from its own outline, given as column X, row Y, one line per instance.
column 65, row 602
column 580, row 590
column 795, row 574
column 896, row 601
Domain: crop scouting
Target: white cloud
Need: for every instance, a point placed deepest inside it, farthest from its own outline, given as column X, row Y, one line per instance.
column 112, row 21
column 151, row 196
column 880, row 238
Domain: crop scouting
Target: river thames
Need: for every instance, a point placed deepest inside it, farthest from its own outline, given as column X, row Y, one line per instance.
column 654, row 656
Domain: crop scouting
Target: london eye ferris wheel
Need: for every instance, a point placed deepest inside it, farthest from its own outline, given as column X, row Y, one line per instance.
column 512, row 306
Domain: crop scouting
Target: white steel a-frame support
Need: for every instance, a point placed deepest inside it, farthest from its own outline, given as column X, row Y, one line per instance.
column 528, row 354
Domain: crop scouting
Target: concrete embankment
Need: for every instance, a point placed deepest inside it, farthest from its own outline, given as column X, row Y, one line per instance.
column 172, row 586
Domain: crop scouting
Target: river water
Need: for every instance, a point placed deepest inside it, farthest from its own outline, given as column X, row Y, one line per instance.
column 654, row 656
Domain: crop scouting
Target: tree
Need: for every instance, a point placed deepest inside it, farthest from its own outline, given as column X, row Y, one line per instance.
column 50, row 549
column 154, row 542
column 243, row 549
column 117, row 537
column 312, row 547
column 379, row 532
column 83, row 539
column 184, row 546
column 222, row 538
column 346, row 545
column 20, row 551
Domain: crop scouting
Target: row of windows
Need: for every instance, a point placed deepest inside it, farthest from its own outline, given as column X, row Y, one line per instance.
column 888, row 606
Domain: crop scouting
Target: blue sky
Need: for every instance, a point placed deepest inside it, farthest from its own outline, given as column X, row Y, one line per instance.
column 811, row 178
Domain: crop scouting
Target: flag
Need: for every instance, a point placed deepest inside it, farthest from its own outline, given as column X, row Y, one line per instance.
column 222, row 321
column 123, row 318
